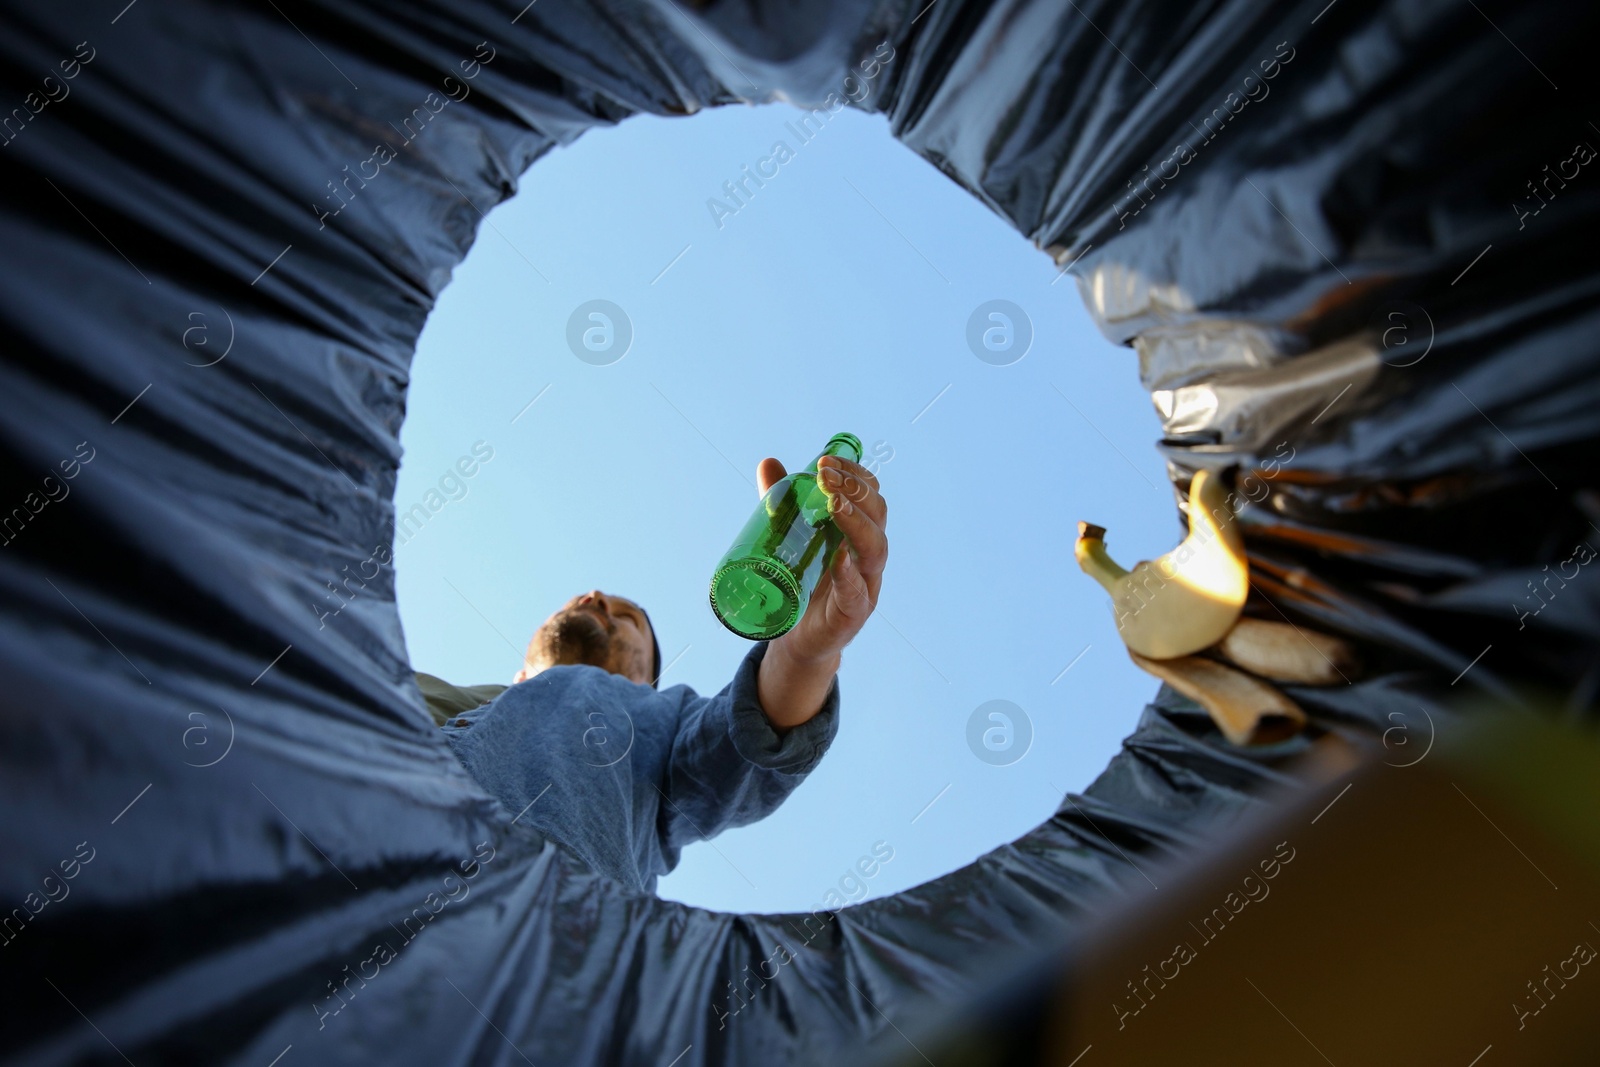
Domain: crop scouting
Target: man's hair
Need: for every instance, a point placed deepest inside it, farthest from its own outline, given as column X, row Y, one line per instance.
column 655, row 652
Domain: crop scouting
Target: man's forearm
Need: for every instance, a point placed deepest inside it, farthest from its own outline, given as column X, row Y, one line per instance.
column 792, row 690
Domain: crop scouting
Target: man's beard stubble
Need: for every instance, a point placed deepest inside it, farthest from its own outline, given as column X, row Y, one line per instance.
column 575, row 637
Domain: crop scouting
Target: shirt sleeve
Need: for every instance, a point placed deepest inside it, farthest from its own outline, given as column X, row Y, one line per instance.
column 728, row 766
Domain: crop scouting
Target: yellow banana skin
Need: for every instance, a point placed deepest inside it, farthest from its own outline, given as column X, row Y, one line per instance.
column 1247, row 710
column 1289, row 655
column 1186, row 600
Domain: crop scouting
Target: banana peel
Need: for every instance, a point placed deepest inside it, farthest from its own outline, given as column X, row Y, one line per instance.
column 1247, row 710
column 1288, row 654
column 1186, row 600
column 1190, row 601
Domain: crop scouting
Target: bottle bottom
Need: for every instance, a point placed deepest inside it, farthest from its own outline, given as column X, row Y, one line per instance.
column 758, row 599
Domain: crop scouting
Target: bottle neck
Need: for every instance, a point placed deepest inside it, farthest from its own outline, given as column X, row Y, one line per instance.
column 847, row 445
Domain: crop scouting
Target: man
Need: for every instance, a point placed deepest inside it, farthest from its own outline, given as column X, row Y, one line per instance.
column 585, row 748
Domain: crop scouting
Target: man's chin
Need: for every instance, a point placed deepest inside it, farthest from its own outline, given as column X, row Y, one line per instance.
column 575, row 638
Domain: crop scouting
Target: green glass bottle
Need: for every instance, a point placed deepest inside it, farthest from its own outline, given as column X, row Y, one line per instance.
column 764, row 582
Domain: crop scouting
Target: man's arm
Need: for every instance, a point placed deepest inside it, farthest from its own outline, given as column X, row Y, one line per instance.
column 729, row 764
column 800, row 666
column 792, row 690
column 737, row 755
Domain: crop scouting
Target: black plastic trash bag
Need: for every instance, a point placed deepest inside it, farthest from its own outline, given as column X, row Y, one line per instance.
column 225, row 227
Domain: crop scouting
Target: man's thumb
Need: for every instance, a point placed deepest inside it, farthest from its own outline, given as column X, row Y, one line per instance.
column 768, row 471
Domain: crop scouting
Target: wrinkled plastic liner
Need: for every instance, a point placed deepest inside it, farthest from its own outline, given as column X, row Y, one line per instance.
column 1351, row 277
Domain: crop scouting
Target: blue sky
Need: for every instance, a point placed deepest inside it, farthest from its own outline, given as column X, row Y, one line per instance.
column 837, row 297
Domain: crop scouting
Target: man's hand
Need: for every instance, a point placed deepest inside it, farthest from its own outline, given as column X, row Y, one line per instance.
column 847, row 592
column 798, row 669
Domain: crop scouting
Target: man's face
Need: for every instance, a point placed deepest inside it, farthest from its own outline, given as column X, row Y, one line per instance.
column 605, row 631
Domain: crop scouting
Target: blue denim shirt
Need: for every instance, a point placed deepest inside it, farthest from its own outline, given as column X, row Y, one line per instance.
column 625, row 775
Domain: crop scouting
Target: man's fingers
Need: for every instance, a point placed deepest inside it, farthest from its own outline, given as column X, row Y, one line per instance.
column 850, row 580
column 850, row 466
column 871, row 544
column 856, row 484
